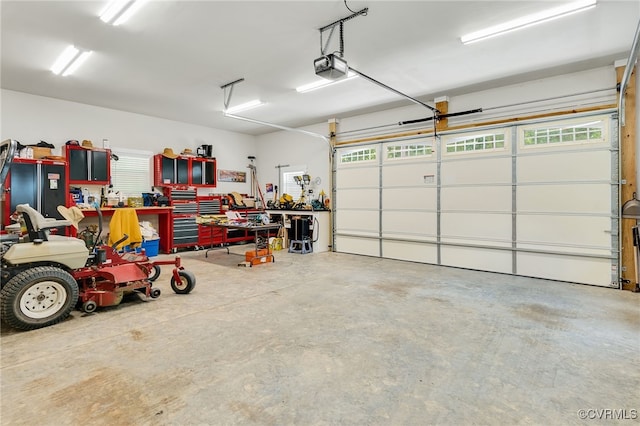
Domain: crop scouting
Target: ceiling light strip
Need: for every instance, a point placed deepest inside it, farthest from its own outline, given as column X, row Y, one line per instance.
column 319, row 84
column 245, row 106
column 529, row 20
column 69, row 60
column 119, row 11
column 73, row 66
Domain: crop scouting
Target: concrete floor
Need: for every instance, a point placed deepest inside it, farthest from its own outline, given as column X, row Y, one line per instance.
column 333, row 339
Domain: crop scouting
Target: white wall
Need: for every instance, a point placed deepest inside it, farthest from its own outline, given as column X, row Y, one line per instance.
column 29, row 119
column 294, row 149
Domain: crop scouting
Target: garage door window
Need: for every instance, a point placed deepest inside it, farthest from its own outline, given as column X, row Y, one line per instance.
column 585, row 132
column 409, row 151
column 482, row 142
column 358, row 156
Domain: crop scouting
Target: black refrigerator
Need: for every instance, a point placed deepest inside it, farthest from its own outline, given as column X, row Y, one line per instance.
column 41, row 184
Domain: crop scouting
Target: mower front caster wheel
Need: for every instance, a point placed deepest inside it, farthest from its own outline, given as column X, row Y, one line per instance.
column 155, row 293
column 154, row 273
column 89, row 306
column 185, row 285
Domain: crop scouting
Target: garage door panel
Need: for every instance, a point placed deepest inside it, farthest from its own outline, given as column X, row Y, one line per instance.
column 410, row 198
column 355, row 245
column 562, row 167
column 408, row 174
column 476, row 225
column 476, row 171
column 357, row 220
column 357, row 177
column 473, row 258
column 582, row 270
column 485, row 198
column 358, row 198
column 416, row 223
column 564, row 230
column 414, row 252
column 586, row 198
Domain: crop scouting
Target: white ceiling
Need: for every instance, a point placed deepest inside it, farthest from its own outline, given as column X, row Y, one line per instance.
column 170, row 59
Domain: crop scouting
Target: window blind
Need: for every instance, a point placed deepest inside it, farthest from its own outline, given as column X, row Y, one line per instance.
column 131, row 174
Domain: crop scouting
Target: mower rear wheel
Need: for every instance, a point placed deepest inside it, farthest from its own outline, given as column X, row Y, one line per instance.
column 186, row 284
column 154, row 273
column 38, row 297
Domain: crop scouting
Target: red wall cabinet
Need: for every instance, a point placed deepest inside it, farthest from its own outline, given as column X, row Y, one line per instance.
column 191, row 171
column 203, row 172
column 88, row 166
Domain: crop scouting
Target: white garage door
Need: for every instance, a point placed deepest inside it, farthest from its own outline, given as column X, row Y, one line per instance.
column 536, row 200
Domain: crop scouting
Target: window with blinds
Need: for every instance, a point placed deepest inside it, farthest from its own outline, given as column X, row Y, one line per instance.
column 131, row 173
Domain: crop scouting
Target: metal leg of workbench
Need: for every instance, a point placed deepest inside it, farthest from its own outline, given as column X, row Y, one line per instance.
column 206, row 254
column 224, row 243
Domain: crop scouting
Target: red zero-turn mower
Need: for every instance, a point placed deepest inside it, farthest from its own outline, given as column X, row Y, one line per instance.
column 44, row 276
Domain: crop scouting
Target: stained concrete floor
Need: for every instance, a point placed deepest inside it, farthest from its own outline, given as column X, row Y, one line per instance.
column 326, row 338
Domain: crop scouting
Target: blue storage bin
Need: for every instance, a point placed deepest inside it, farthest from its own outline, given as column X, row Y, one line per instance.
column 151, row 247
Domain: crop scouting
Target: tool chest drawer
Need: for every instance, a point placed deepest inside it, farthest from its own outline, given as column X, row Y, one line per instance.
column 185, row 231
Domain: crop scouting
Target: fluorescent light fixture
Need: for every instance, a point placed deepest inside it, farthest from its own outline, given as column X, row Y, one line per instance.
column 69, row 60
column 318, row 84
column 529, row 20
column 119, row 11
column 73, row 66
column 245, row 106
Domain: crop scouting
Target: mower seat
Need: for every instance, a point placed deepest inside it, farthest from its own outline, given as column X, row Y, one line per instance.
column 37, row 225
